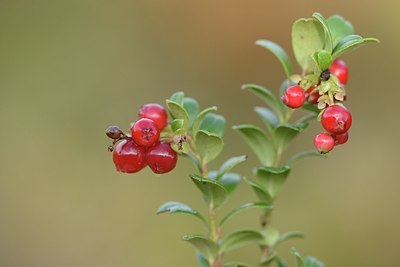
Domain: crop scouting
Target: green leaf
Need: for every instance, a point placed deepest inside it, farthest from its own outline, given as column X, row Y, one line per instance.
column 349, row 43
column 299, row 260
column 179, row 208
column 236, row 264
column 177, row 111
column 260, row 192
column 177, row 97
column 214, row 124
column 285, row 133
column 268, row 261
column 203, row 244
column 287, row 236
column 310, row 107
column 273, row 179
column 271, row 236
column 280, row 53
column 268, row 117
column 305, row 154
column 280, row 262
column 339, row 28
column 307, row 118
column 208, row 146
column 192, row 108
column 239, row 239
column 228, row 165
column 203, row 262
column 308, row 36
column 258, row 205
column 328, row 36
column 267, row 96
column 313, row 262
column 177, row 125
column 258, row 142
column 230, row 181
column 199, row 119
column 213, row 192
column 323, row 59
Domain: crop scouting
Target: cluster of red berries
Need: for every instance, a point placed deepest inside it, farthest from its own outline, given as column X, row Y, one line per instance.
column 335, row 119
column 132, row 152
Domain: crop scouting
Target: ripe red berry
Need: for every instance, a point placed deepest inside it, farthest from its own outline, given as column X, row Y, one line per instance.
column 340, row 70
column 312, row 97
column 294, row 97
column 129, row 157
column 336, row 119
column 324, row 142
column 341, row 138
column 161, row 158
column 156, row 113
column 145, row 132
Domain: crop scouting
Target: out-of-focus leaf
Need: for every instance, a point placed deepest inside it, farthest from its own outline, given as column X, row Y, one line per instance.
column 285, row 133
column 203, row 244
column 213, row 192
column 240, row 238
column 258, row 205
column 229, row 164
column 272, row 178
column 173, row 207
column 279, row 53
column 305, row 154
column 299, row 260
column 260, row 192
column 268, row 117
column 203, row 262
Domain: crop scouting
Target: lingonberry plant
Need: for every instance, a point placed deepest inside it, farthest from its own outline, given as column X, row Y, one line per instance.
column 317, row 92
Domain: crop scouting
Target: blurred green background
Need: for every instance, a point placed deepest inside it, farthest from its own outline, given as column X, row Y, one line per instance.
column 68, row 69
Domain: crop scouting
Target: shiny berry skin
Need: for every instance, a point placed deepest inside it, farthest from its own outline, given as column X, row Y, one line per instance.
column 128, row 157
column 312, row 97
column 294, row 97
column 114, row 132
column 145, row 132
column 340, row 70
column 161, row 158
column 324, row 142
column 156, row 113
column 336, row 119
column 341, row 138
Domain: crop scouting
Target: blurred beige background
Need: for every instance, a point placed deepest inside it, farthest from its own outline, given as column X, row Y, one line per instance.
column 68, row 69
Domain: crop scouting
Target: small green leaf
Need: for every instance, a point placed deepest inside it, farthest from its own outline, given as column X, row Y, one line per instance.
column 230, row 181
column 228, row 165
column 287, row 236
column 258, row 205
column 310, row 107
column 271, row 236
column 280, row 262
column 214, row 124
column 307, row 118
column 268, row 261
column 177, row 125
column 268, row 117
column 280, row 53
column 299, row 260
column 203, row 244
column 199, row 119
column 339, row 28
column 285, row 133
column 239, row 239
column 236, row 264
column 192, row 108
column 313, row 262
column 177, row 111
column 323, row 59
column 258, row 142
column 177, row 97
column 213, row 192
column 328, row 36
column 208, row 146
column 349, row 43
column 308, row 36
column 273, row 179
column 301, row 155
column 260, row 192
column 179, row 208
column 267, row 96
column 203, row 262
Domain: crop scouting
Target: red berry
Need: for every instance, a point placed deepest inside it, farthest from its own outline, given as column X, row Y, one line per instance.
column 156, row 113
column 294, row 96
column 341, row 138
column 336, row 119
column 324, row 142
column 145, row 132
column 129, row 157
column 340, row 70
column 161, row 158
column 312, row 97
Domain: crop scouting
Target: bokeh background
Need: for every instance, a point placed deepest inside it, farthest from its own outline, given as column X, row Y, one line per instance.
column 68, row 69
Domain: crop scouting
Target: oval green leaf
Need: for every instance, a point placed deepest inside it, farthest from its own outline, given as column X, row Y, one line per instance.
column 268, row 117
column 240, row 238
column 254, row 205
column 230, row 181
column 208, row 146
column 304, row 154
column 203, row 262
column 199, row 119
column 328, row 36
column 339, row 28
column 178, row 112
column 173, row 207
column 213, row 192
column 203, row 244
column 213, row 123
column 350, row 43
column 285, row 133
column 192, row 108
column 228, row 165
column 260, row 192
column 272, row 179
column 279, row 53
